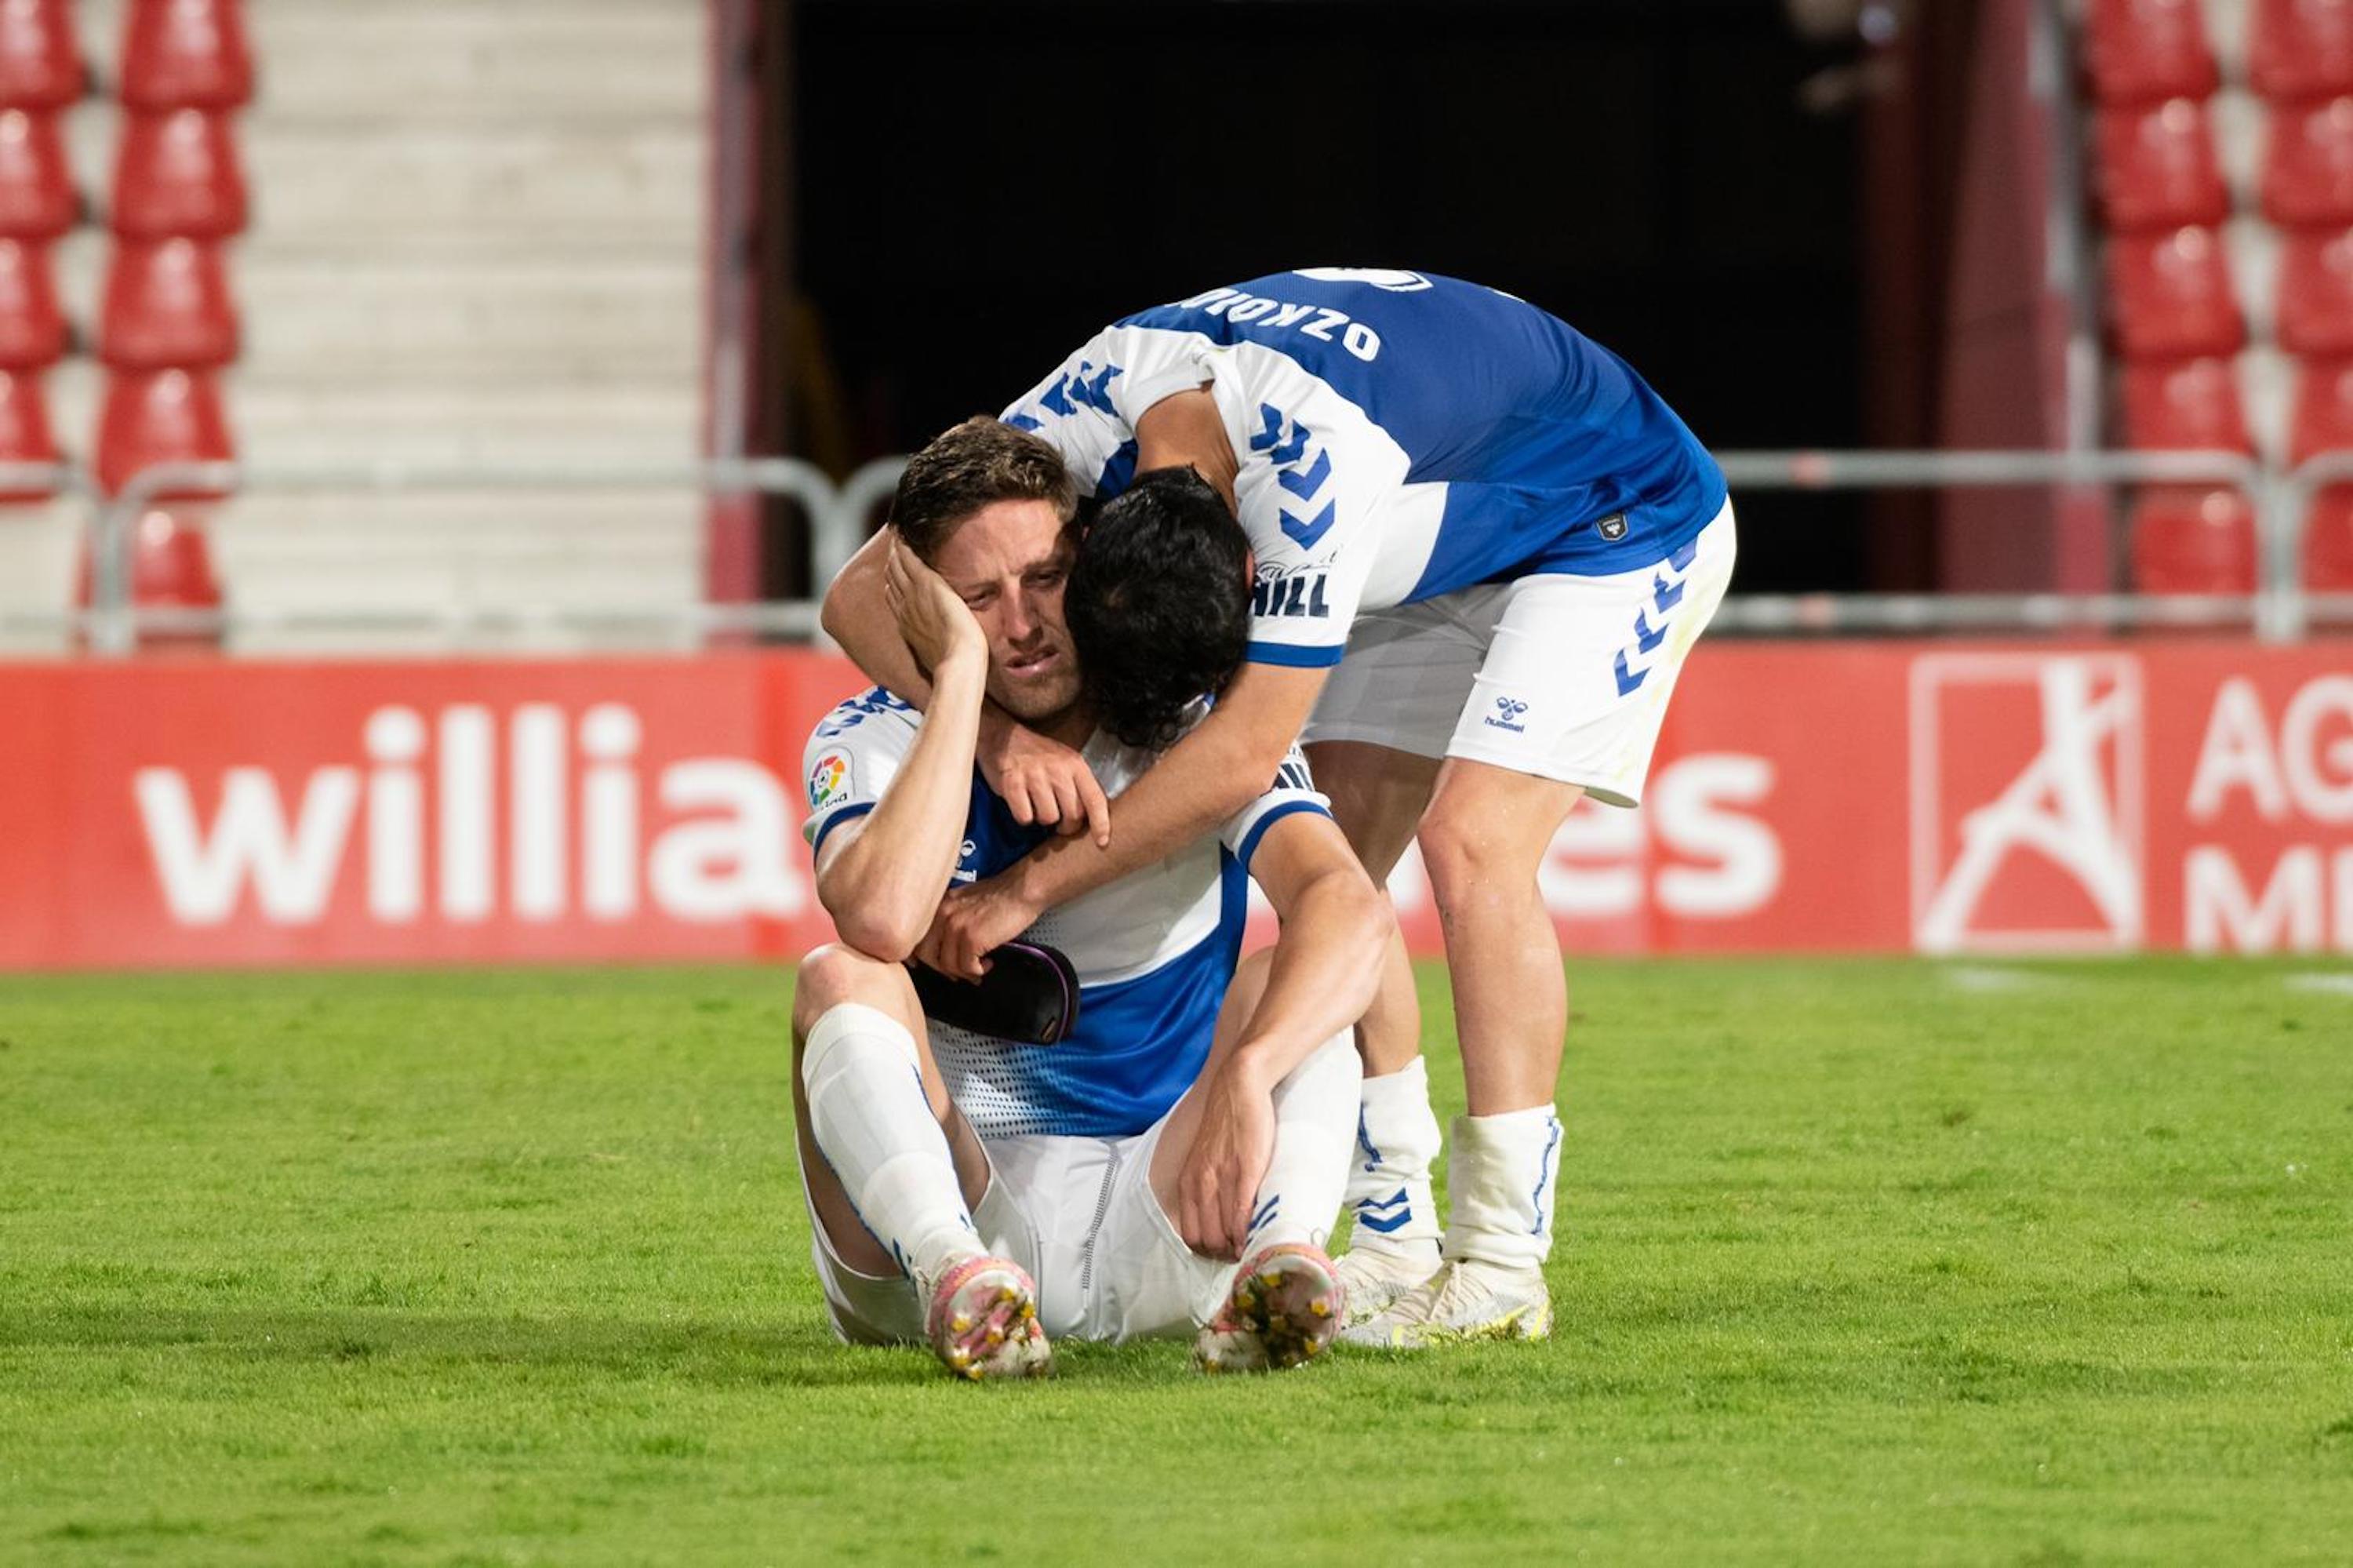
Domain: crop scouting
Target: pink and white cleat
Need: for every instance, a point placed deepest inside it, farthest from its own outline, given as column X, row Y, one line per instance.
column 1286, row 1305
column 983, row 1321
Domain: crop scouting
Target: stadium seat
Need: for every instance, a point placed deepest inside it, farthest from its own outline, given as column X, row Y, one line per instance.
column 25, row 435
column 185, row 54
column 167, row 306
column 37, row 191
column 2143, row 51
column 157, row 417
column 2301, row 50
column 2315, row 293
column 2172, row 295
column 2188, row 405
column 2323, row 421
column 171, row 567
column 2187, row 539
column 32, row 327
column 41, row 63
column 2308, row 169
column 2157, row 167
column 176, row 174
column 2328, row 542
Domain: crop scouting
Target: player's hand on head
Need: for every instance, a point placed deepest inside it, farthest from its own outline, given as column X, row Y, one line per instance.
column 937, row 625
column 1044, row 782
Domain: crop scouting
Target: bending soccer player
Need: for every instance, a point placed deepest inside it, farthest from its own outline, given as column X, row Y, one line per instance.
column 1483, row 549
column 981, row 1192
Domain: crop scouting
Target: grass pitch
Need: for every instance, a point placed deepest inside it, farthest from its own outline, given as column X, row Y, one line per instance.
column 1862, row 1262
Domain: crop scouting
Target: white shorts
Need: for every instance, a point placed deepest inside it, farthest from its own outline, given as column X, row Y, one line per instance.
column 1080, row 1215
column 1562, row 677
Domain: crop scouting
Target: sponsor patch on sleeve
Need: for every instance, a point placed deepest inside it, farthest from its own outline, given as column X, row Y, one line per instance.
column 829, row 780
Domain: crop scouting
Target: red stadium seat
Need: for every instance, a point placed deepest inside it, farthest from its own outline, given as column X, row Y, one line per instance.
column 2315, row 293
column 2328, row 542
column 2185, row 404
column 2192, row 540
column 2322, row 419
column 2308, row 170
column 177, row 174
column 2301, row 48
column 40, row 62
column 2324, row 423
column 2172, row 295
column 2157, row 167
column 37, row 191
column 168, row 306
column 25, row 435
column 32, row 327
column 2142, row 51
column 157, row 417
column 171, row 567
column 185, row 54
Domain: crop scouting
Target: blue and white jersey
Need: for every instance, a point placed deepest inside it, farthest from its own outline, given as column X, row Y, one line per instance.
column 1400, row 435
column 1154, row 950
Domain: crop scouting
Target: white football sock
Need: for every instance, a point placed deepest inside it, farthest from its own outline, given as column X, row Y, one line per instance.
column 873, row 1123
column 1500, row 1183
column 1314, row 1118
column 1389, row 1175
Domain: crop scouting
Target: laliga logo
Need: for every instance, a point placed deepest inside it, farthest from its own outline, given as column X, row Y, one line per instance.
column 729, row 854
column 2050, row 858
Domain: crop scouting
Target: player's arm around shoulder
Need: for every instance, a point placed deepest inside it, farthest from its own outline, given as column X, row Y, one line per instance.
column 1215, row 770
column 881, row 877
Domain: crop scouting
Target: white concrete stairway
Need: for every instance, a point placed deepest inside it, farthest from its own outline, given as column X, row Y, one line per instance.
column 478, row 238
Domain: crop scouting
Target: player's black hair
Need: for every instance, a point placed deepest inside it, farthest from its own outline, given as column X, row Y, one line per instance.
column 1158, row 605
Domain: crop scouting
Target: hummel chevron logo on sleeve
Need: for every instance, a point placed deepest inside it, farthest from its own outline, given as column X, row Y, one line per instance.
column 1285, row 442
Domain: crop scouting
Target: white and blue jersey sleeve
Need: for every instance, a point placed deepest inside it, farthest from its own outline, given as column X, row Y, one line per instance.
column 1293, row 792
column 851, row 757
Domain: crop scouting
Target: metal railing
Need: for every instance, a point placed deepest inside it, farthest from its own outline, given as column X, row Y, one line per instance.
column 840, row 515
column 838, row 518
column 2277, row 610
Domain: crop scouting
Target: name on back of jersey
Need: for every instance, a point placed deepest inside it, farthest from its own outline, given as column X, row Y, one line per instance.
column 1318, row 322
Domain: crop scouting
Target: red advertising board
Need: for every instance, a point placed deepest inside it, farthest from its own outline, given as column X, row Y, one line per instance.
column 1851, row 796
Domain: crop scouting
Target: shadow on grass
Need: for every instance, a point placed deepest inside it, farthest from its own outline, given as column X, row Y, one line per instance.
column 712, row 1354
column 799, row 1352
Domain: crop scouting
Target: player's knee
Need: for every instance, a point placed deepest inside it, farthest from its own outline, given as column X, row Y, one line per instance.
column 1464, row 861
column 833, row 974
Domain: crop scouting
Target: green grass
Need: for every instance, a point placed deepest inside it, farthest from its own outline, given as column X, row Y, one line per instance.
column 1862, row 1262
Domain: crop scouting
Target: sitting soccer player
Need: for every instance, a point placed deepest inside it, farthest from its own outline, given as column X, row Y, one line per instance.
column 979, row 1192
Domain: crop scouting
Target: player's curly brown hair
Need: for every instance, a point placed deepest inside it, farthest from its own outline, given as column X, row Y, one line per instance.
column 974, row 464
column 1159, row 605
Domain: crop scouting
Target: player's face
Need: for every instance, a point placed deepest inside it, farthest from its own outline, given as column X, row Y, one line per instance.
column 1007, row 562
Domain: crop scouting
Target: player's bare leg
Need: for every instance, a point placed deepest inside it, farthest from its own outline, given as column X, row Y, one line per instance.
column 893, row 1169
column 1484, row 838
column 1288, row 1300
column 1378, row 795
